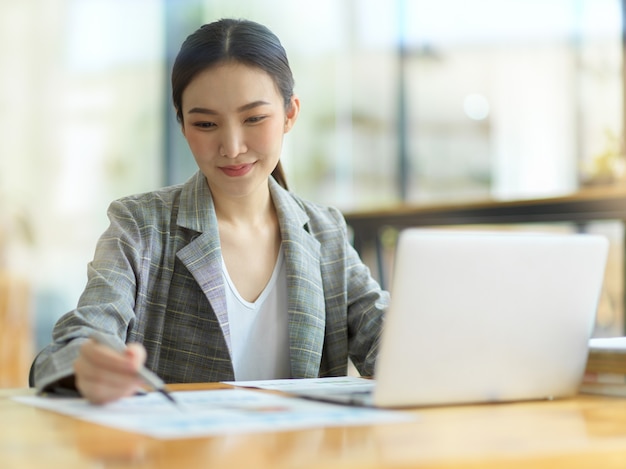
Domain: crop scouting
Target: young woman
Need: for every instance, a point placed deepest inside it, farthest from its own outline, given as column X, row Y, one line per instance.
column 229, row 275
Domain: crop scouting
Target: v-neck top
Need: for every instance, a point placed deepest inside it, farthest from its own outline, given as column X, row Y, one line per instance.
column 258, row 330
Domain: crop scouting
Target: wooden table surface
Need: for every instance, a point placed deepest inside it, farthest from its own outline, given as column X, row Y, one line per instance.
column 585, row 431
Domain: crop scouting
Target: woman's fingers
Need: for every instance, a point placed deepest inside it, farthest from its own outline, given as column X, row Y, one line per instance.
column 137, row 355
column 104, row 375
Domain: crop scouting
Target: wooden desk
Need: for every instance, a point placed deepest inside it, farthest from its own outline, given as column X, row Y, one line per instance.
column 582, row 432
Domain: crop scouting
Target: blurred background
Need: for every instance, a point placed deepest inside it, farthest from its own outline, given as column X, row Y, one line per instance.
column 403, row 101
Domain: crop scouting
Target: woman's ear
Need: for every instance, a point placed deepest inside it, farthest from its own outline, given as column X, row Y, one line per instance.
column 292, row 113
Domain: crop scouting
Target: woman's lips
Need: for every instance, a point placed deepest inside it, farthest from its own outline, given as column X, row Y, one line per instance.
column 237, row 170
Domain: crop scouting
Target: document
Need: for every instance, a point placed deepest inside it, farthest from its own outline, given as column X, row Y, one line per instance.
column 306, row 385
column 215, row 412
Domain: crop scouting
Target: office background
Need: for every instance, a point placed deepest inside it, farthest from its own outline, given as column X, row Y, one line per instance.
column 417, row 101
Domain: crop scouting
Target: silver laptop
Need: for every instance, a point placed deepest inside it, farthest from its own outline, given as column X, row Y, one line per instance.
column 486, row 317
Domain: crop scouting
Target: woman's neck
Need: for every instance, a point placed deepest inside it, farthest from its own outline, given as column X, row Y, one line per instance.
column 250, row 210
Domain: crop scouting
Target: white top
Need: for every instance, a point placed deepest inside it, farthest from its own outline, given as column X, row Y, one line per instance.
column 258, row 331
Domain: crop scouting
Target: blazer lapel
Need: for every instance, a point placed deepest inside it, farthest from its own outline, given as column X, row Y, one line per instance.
column 202, row 256
column 305, row 293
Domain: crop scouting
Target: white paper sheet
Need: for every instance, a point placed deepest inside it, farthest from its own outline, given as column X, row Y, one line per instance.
column 216, row 412
column 348, row 383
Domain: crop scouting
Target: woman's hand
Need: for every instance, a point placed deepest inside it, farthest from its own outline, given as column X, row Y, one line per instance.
column 104, row 375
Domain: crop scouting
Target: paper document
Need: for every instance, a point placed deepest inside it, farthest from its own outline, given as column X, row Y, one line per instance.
column 612, row 344
column 217, row 412
column 346, row 383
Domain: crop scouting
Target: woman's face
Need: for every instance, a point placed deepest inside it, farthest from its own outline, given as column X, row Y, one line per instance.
column 234, row 121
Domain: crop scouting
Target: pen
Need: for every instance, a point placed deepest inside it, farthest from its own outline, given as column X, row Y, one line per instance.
column 147, row 375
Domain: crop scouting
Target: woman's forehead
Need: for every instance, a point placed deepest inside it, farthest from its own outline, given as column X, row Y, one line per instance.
column 231, row 84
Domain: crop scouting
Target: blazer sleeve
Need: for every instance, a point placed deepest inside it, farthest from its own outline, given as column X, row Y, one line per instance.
column 367, row 305
column 106, row 304
column 365, row 301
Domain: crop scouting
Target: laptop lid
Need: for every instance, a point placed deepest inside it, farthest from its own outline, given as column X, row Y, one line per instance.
column 488, row 316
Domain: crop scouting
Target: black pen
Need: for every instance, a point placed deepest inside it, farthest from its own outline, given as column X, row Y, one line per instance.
column 147, row 375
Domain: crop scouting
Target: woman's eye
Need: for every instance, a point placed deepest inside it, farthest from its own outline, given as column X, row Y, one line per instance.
column 204, row 125
column 255, row 119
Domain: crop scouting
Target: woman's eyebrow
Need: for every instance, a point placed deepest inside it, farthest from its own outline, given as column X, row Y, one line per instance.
column 252, row 105
column 211, row 112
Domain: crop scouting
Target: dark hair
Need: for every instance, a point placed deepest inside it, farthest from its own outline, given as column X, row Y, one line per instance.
column 241, row 41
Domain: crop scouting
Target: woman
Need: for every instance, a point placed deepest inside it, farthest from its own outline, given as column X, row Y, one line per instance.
column 229, row 275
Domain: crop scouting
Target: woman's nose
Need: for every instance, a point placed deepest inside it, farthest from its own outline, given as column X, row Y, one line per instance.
column 232, row 143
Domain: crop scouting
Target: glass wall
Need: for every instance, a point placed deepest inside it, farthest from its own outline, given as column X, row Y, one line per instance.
column 510, row 99
column 81, row 117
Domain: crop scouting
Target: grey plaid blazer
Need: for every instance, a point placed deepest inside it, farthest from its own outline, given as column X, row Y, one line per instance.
column 156, row 278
